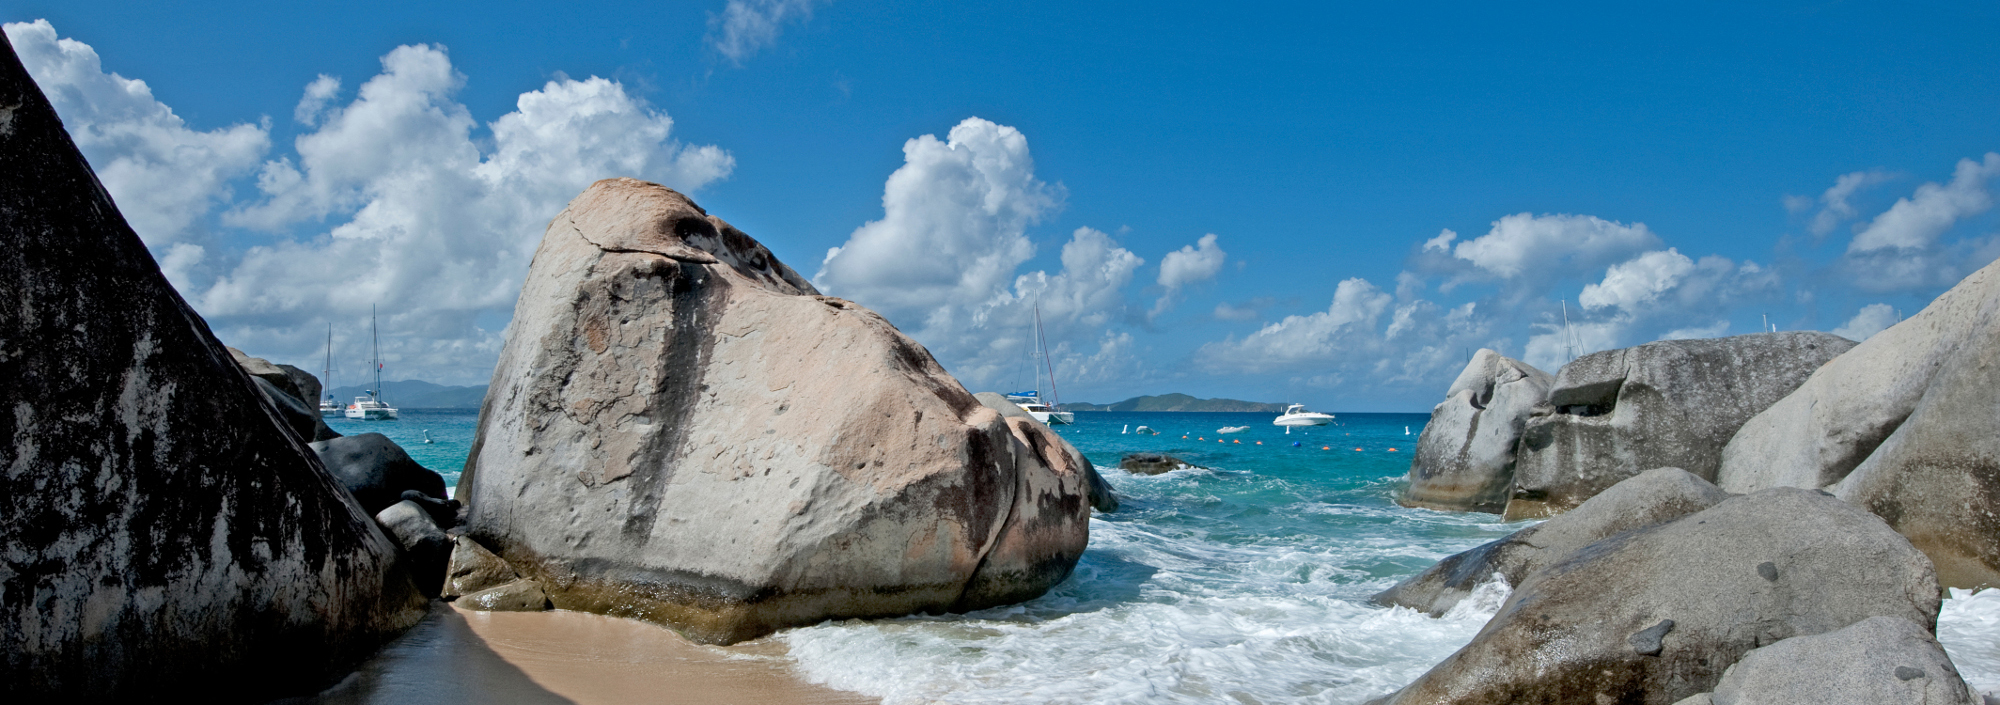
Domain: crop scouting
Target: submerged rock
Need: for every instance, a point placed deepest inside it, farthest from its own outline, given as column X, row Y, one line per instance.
column 1465, row 457
column 1152, row 463
column 1673, row 403
column 376, row 470
column 1877, row 661
column 1101, row 496
column 1904, row 426
column 161, row 532
column 1652, row 497
column 681, row 430
column 1655, row 615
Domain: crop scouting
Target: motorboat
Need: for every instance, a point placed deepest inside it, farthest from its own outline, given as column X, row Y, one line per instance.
column 1031, row 402
column 371, row 407
column 1296, row 415
column 1232, row 429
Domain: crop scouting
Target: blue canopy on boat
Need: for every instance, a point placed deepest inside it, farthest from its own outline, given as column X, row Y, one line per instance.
column 1030, row 393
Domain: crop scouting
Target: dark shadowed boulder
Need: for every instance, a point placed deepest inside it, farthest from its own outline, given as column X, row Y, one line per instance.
column 1152, row 463
column 1101, row 496
column 376, row 470
column 1655, row 615
column 1876, row 661
column 426, row 548
column 681, row 430
column 161, row 532
column 1904, row 426
column 292, row 390
column 1652, row 497
column 1465, row 457
column 1673, row 403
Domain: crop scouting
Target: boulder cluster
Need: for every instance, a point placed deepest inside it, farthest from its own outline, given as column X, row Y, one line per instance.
column 1763, row 518
column 680, row 429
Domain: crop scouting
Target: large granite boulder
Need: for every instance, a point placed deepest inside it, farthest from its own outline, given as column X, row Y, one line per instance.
column 1652, row 497
column 1655, row 615
column 1673, row 403
column 1465, row 457
column 681, row 430
column 1101, row 496
column 426, row 548
column 376, row 470
column 1876, row 661
column 161, row 533
column 1903, row 425
column 292, row 390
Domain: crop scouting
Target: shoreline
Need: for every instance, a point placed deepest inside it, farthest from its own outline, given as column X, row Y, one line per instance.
column 559, row 656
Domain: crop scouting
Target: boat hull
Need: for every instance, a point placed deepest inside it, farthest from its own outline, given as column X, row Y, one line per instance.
column 1303, row 421
column 371, row 414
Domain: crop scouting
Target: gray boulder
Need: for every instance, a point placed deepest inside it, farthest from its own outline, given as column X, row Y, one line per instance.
column 1876, row 661
column 521, row 595
column 1152, row 463
column 1673, row 403
column 1101, row 496
column 161, row 532
column 1655, row 615
column 1904, row 426
column 473, row 568
column 1652, row 497
column 1465, row 457
column 376, row 470
column 681, row 430
column 426, row 548
column 294, row 392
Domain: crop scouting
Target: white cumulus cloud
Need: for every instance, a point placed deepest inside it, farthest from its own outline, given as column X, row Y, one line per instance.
column 1871, row 319
column 1835, row 206
column 164, row 175
column 1640, row 280
column 1192, row 264
column 1917, row 221
column 1559, row 243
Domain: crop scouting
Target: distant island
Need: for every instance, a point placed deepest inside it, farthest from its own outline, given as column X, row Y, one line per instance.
column 418, row 394
column 1175, row 402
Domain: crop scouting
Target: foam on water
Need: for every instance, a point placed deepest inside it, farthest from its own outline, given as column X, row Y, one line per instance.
column 1969, row 627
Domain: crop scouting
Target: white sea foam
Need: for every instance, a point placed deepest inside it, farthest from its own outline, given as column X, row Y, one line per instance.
column 1159, row 614
column 1969, row 627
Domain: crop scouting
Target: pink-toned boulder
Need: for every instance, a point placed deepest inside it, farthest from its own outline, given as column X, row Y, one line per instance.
column 682, row 430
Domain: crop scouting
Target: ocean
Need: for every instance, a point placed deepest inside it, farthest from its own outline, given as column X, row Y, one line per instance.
column 1246, row 581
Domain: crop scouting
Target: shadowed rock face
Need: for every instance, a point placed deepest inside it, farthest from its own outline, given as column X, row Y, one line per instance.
column 1879, row 661
column 160, row 530
column 1655, row 615
column 1903, row 425
column 681, row 430
column 1674, row 403
column 1035, row 432
column 1652, row 497
column 1465, row 457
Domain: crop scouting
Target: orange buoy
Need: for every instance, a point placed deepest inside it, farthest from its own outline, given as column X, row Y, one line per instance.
column 1392, row 450
column 1357, row 449
column 1260, row 443
column 1326, row 447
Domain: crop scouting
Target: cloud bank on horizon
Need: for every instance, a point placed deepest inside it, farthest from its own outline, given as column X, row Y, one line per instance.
column 394, row 193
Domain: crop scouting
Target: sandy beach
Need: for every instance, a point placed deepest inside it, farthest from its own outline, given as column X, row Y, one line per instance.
column 515, row 658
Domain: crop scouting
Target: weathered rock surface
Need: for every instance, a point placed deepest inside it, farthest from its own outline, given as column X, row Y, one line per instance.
column 376, row 470
column 521, row 595
column 1876, row 661
column 1673, row 403
column 1152, row 463
column 1903, row 425
column 160, row 530
column 292, row 390
column 473, row 568
column 1465, row 457
column 1101, row 496
column 426, row 548
column 681, row 430
column 1652, row 497
column 1655, row 615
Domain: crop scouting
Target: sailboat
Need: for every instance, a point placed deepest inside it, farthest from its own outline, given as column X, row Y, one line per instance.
column 327, row 406
column 371, row 407
column 1031, row 401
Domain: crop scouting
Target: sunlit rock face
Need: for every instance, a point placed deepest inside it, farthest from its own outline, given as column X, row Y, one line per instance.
column 680, row 429
column 1673, row 403
column 161, row 530
column 1904, row 425
column 1465, row 457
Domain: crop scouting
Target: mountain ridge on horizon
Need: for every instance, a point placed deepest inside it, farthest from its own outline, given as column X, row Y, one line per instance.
column 417, row 394
column 1176, row 402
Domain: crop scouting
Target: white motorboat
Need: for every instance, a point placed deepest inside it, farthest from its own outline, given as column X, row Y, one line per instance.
column 1296, row 415
column 1031, row 402
column 1232, row 429
column 371, row 407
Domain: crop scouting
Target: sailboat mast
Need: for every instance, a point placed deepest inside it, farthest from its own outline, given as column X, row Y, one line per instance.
column 375, row 350
column 326, row 373
column 1055, row 397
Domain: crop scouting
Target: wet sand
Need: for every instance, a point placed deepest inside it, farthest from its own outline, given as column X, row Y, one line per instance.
column 516, row 658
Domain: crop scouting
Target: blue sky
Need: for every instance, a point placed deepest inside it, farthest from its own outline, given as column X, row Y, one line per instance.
column 1669, row 171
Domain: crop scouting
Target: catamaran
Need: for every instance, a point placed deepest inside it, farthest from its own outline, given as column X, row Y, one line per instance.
column 327, row 406
column 371, row 407
column 1031, row 401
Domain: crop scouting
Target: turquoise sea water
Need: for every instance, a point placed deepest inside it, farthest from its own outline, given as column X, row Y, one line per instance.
column 1243, row 582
